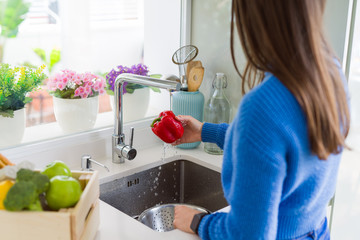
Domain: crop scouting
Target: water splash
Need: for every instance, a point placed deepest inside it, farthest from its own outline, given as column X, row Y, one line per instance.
column 168, row 151
column 165, row 147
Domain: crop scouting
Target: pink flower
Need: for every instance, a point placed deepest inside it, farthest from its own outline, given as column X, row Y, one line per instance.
column 77, row 93
column 90, row 83
column 96, row 86
column 75, row 85
column 60, row 85
column 84, row 95
column 102, row 83
column 64, row 80
column 88, row 89
column 81, row 90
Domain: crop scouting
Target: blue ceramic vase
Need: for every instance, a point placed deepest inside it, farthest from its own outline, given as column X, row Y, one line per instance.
column 188, row 103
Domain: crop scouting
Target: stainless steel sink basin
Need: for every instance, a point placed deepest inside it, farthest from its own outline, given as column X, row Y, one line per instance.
column 180, row 181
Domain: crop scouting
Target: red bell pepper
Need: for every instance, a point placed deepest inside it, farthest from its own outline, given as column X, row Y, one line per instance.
column 167, row 127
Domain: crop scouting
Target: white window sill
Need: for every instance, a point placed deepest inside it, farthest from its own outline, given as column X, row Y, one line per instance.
column 52, row 130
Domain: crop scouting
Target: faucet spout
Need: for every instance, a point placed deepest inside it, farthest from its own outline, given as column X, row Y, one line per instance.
column 121, row 151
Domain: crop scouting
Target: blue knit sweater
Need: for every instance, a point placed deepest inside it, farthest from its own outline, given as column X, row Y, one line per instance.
column 276, row 188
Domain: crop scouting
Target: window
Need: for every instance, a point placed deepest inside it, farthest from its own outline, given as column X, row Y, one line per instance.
column 42, row 12
column 95, row 36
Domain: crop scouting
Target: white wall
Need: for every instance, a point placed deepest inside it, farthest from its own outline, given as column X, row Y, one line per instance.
column 336, row 25
column 211, row 33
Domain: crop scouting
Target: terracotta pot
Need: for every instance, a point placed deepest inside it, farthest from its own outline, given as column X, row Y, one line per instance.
column 42, row 100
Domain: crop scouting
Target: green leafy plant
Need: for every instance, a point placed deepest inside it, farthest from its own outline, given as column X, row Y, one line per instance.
column 15, row 84
column 12, row 13
column 54, row 57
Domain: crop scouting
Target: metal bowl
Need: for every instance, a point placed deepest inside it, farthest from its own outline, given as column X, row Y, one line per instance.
column 161, row 217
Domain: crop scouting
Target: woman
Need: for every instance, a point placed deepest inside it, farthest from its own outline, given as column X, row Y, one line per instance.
column 283, row 149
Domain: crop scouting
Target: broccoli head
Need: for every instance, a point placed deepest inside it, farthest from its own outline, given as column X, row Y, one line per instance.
column 41, row 181
column 22, row 195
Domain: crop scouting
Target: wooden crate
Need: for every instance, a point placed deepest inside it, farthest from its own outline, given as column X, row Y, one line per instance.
column 79, row 222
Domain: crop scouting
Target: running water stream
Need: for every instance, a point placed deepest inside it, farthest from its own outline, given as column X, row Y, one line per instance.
column 168, row 150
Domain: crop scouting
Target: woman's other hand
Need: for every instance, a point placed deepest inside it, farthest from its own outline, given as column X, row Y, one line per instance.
column 183, row 217
column 192, row 130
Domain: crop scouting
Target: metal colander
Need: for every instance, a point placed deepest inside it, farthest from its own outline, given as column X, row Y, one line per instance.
column 160, row 218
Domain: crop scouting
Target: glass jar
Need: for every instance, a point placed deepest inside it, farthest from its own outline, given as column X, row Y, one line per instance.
column 217, row 109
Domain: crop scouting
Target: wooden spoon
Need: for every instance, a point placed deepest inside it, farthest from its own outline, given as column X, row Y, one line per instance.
column 191, row 65
column 195, row 78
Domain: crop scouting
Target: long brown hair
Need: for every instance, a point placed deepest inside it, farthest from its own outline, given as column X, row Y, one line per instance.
column 285, row 37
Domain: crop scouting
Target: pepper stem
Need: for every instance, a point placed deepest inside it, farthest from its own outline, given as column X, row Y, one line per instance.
column 155, row 120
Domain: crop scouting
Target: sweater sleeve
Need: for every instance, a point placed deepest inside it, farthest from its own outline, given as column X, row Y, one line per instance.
column 214, row 133
column 255, row 168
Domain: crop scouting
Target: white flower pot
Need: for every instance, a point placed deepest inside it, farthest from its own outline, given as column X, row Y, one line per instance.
column 135, row 104
column 74, row 115
column 12, row 129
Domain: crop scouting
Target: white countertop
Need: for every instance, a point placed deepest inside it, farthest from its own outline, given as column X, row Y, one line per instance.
column 117, row 225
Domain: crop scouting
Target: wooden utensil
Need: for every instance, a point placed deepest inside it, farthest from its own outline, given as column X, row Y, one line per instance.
column 191, row 65
column 195, row 78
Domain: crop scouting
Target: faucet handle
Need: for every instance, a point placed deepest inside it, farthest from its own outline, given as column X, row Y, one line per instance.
column 131, row 137
column 86, row 161
column 128, row 151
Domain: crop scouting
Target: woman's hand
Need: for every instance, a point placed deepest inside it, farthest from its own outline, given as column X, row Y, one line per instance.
column 183, row 218
column 192, row 130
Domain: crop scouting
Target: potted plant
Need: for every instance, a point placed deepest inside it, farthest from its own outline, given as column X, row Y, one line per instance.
column 12, row 14
column 15, row 84
column 75, row 98
column 136, row 97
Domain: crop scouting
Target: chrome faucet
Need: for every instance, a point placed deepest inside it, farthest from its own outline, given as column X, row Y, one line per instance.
column 121, row 151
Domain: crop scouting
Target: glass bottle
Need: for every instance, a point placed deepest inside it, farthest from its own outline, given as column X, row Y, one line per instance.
column 217, row 109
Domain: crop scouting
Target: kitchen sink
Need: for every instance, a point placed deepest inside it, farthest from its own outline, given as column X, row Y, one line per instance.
column 180, row 181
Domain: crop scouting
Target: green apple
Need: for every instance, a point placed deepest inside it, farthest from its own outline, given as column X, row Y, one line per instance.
column 64, row 192
column 56, row 168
